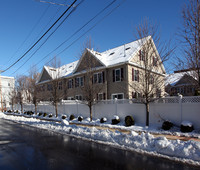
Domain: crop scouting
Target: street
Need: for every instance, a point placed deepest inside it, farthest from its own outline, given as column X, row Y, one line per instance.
column 24, row 147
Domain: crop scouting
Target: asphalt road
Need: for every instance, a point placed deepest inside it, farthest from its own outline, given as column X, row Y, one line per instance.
column 24, row 147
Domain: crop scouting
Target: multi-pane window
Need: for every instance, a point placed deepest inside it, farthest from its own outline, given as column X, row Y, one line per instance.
column 151, row 79
column 60, row 85
column 118, row 96
column 98, row 77
column 79, row 97
column 70, row 83
column 49, row 87
column 136, row 95
column 155, row 61
column 118, row 74
column 78, row 81
column 135, row 75
column 142, row 55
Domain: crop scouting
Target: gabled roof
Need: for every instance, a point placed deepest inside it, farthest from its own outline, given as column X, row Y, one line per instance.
column 120, row 54
column 112, row 57
column 174, row 78
column 62, row 71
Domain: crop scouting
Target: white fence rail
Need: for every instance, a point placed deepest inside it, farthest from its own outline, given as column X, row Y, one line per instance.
column 175, row 109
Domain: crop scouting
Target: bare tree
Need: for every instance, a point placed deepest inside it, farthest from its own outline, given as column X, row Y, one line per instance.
column 190, row 37
column 91, row 87
column 32, row 87
column 148, row 80
column 21, row 88
column 12, row 97
column 56, row 84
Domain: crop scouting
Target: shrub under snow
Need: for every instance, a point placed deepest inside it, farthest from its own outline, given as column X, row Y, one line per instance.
column 187, row 126
column 167, row 125
column 129, row 121
column 116, row 120
column 103, row 120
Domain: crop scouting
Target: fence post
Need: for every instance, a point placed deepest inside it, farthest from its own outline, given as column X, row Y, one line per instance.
column 116, row 106
column 76, row 106
column 180, row 105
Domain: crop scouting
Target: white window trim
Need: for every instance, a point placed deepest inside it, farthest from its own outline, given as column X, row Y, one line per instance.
column 117, row 94
column 79, row 81
column 97, row 74
column 70, row 86
column 78, row 97
column 119, row 75
column 70, row 98
column 99, row 95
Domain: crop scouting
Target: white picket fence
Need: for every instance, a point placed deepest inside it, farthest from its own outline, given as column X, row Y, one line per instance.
column 175, row 109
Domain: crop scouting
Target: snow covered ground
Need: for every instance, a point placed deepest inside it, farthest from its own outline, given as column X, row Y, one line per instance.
column 145, row 142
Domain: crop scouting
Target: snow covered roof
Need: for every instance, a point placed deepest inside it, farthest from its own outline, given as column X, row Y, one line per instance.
column 120, row 54
column 62, row 71
column 174, row 78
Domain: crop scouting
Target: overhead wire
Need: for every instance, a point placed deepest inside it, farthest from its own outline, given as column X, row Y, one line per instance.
column 79, row 31
column 48, row 37
column 90, row 28
column 33, row 28
column 41, row 37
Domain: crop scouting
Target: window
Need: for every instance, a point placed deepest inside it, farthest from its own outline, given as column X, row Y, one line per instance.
column 98, row 77
column 155, row 61
column 158, row 93
column 70, row 84
column 136, row 95
column 118, row 75
column 70, row 98
column 151, row 79
column 49, row 87
column 79, row 97
column 118, row 96
column 79, row 82
column 141, row 55
column 135, row 75
column 100, row 96
column 8, row 84
column 60, row 85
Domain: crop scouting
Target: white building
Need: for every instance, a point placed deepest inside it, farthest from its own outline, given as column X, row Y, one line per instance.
column 7, row 85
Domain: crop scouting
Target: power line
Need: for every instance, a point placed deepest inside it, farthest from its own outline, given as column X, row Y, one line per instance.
column 41, row 37
column 48, row 37
column 29, row 33
column 77, row 32
column 87, row 30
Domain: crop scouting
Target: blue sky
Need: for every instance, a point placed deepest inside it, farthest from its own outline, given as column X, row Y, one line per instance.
column 27, row 19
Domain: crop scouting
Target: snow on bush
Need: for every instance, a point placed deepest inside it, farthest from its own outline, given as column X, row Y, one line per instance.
column 186, row 126
column 116, row 117
column 186, row 123
column 103, row 120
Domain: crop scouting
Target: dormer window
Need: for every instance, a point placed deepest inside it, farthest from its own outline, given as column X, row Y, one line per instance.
column 112, row 53
column 127, row 48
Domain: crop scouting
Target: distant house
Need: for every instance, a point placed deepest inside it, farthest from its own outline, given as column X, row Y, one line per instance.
column 7, row 85
column 117, row 70
column 181, row 82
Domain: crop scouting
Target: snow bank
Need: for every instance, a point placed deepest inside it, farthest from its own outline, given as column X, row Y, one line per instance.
column 185, row 151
